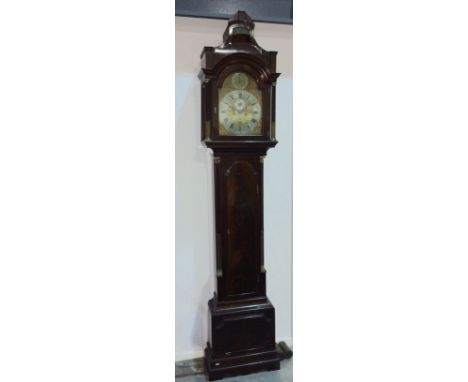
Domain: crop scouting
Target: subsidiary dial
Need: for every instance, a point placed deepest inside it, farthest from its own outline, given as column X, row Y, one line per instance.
column 240, row 80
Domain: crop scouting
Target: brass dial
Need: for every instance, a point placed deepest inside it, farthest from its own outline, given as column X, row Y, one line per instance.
column 239, row 108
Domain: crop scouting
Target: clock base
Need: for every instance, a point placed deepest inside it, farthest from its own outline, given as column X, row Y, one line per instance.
column 242, row 338
column 246, row 363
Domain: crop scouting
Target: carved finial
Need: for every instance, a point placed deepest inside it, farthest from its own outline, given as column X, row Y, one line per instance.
column 240, row 27
column 241, row 17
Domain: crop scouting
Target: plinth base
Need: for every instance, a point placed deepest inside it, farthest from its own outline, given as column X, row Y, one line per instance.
column 242, row 338
column 218, row 368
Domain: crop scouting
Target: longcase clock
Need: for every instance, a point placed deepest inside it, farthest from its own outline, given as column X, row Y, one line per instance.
column 238, row 125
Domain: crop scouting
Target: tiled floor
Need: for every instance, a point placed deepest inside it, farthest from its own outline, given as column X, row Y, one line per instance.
column 285, row 374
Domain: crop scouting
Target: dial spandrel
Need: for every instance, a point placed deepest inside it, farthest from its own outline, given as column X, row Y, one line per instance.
column 240, row 110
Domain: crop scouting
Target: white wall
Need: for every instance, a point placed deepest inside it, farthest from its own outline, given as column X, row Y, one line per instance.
column 194, row 188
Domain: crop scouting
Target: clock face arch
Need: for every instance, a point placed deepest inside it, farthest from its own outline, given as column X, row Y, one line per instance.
column 239, row 106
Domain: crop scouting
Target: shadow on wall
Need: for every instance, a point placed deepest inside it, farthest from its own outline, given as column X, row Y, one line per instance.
column 194, row 218
column 200, row 328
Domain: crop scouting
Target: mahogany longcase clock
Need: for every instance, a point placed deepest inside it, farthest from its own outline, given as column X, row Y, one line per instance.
column 238, row 125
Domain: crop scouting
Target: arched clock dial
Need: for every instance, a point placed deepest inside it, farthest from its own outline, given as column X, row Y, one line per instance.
column 240, row 109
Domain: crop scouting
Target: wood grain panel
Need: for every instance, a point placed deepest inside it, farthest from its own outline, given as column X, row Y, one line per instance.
column 241, row 224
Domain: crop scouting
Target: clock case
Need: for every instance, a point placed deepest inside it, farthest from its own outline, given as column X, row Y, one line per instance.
column 241, row 317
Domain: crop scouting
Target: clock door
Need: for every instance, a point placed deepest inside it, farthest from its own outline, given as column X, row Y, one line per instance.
column 242, row 222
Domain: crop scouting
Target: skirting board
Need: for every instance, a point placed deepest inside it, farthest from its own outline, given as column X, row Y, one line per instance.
column 201, row 353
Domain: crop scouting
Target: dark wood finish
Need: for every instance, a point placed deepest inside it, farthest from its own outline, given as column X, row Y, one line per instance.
column 242, row 319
